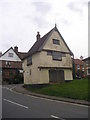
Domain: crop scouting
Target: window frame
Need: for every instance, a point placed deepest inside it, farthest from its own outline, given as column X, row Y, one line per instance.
column 57, row 57
column 78, row 66
column 56, row 41
column 10, row 54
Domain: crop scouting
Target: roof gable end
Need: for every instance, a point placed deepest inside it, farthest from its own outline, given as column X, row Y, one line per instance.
column 38, row 45
column 7, row 58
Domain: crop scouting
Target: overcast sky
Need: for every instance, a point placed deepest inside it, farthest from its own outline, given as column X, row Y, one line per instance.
column 21, row 19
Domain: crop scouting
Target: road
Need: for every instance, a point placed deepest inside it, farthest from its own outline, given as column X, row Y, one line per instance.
column 15, row 105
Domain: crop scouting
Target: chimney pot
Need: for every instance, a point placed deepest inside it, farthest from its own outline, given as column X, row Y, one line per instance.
column 38, row 36
column 16, row 49
column 81, row 57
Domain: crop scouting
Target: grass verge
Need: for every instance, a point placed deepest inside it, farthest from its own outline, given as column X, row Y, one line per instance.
column 76, row 89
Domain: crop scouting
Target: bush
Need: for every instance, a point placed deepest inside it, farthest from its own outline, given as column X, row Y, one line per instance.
column 18, row 78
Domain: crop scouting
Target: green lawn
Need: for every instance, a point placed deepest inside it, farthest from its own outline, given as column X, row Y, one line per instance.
column 77, row 89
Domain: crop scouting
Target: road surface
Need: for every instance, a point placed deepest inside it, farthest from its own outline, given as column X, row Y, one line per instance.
column 15, row 105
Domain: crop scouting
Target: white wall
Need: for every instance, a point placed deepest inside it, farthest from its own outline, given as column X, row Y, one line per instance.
column 7, row 58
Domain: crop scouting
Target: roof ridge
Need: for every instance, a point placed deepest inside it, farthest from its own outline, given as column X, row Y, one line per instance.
column 38, row 45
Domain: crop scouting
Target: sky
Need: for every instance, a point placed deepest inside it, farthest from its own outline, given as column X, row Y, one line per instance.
column 20, row 20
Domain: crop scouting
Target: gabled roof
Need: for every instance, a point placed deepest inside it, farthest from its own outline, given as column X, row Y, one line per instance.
column 38, row 45
column 21, row 55
column 6, row 51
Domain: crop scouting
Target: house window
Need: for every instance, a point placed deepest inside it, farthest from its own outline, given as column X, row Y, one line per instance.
column 57, row 56
column 88, row 71
column 78, row 66
column 29, row 60
column 8, row 63
column 10, row 54
column 55, row 41
column 82, row 67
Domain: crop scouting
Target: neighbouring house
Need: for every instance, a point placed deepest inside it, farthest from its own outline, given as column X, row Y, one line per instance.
column 49, row 60
column 11, row 64
column 79, row 68
column 87, row 66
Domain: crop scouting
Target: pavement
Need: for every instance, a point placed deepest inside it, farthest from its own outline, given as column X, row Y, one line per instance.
column 22, row 90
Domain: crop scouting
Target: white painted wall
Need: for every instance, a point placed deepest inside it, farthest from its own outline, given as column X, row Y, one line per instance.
column 7, row 58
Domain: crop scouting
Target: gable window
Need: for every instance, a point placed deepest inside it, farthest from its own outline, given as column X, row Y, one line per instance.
column 57, row 56
column 10, row 54
column 29, row 60
column 55, row 41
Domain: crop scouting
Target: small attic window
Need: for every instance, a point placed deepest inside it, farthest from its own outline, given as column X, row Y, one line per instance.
column 55, row 41
column 10, row 54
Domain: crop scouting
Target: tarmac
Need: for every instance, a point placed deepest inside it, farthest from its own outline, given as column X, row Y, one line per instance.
column 22, row 90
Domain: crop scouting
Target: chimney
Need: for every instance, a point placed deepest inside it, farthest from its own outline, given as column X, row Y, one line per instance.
column 81, row 57
column 38, row 36
column 16, row 49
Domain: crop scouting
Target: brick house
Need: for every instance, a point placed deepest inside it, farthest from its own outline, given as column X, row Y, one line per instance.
column 49, row 60
column 11, row 63
column 87, row 66
column 79, row 68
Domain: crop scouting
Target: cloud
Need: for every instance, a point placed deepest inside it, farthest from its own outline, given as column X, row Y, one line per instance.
column 21, row 19
column 42, row 9
column 75, row 7
column 78, row 6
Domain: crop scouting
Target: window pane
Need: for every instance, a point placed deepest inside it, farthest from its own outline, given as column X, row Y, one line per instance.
column 55, row 41
column 10, row 54
column 78, row 66
column 89, row 70
column 57, row 56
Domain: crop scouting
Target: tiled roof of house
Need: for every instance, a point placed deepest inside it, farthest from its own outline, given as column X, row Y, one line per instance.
column 21, row 54
column 38, row 45
column 78, row 62
column 88, row 58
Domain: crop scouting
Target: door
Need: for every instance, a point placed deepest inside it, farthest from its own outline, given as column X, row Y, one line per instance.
column 56, row 76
